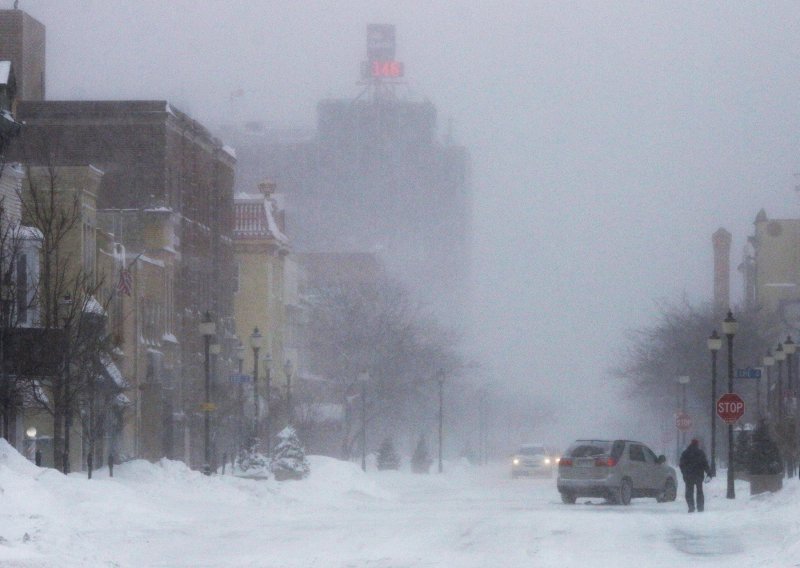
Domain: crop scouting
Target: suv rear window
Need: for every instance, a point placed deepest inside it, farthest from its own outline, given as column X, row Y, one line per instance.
column 589, row 448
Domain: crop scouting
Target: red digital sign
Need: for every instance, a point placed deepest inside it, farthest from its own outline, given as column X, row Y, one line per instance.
column 383, row 70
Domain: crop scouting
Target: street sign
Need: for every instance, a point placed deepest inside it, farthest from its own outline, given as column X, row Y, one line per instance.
column 683, row 422
column 239, row 378
column 748, row 373
column 208, row 407
column 730, row 407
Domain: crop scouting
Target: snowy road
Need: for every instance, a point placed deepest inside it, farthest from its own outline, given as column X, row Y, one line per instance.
column 167, row 516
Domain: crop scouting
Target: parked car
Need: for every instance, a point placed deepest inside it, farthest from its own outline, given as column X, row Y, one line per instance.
column 532, row 460
column 617, row 470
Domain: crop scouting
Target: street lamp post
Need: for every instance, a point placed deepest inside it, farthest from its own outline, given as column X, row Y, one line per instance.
column 440, row 380
column 214, row 350
column 255, row 344
column 363, row 378
column 240, row 395
column 288, row 369
column 780, row 357
column 789, row 347
column 683, row 380
column 768, row 361
column 729, row 327
column 714, row 345
column 267, row 381
column 207, row 329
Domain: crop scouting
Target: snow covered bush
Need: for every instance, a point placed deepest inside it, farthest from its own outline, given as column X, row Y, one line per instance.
column 421, row 460
column 289, row 458
column 764, row 457
column 387, row 456
column 253, row 464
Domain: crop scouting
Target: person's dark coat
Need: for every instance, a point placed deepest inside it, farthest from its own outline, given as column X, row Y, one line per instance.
column 693, row 463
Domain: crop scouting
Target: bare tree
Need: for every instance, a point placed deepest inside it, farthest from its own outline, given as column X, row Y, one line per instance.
column 374, row 327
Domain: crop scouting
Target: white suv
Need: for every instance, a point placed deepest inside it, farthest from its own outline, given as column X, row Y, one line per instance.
column 617, row 470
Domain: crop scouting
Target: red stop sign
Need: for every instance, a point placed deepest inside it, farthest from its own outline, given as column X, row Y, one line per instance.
column 730, row 407
column 683, row 422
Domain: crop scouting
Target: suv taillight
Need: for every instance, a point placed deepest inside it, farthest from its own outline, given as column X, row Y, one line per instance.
column 565, row 462
column 605, row 461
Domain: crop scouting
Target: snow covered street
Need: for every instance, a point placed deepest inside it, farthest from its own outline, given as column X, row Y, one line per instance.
column 165, row 515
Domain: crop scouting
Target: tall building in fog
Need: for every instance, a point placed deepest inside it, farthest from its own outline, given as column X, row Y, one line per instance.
column 376, row 176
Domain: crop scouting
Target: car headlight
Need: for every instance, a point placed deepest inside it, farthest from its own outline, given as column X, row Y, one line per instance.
column 515, row 461
column 547, row 461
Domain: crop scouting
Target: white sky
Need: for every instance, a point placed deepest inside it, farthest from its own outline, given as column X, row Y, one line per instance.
column 610, row 139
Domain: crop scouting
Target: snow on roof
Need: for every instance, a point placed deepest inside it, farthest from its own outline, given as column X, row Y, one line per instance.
column 255, row 218
column 92, row 306
column 113, row 371
column 5, row 72
column 229, row 150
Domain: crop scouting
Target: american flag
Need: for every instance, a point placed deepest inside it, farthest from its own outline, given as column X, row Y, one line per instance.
column 125, row 284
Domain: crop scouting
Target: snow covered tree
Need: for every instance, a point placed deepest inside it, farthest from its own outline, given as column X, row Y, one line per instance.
column 421, row 460
column 253, row 464
column 387, row 455
column 289, row 459
column 764, row 457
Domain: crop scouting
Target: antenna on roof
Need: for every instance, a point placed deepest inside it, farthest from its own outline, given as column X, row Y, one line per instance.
column 16, row 4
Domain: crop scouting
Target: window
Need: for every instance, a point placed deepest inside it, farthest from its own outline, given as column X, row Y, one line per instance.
column 636, row 453
column 650, row 455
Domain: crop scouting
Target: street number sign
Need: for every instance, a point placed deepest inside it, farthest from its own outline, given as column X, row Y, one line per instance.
column 730, row 407
column 683, row 422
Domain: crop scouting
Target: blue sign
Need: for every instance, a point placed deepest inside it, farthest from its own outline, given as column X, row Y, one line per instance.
column 748, row 373
column 238, row 379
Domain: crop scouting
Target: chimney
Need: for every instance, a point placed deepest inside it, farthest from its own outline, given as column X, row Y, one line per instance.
column 721, row 240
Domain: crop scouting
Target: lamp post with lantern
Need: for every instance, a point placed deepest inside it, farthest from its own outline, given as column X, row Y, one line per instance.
column 714, row 345
column 255, row 343
column 729, row 327
column 288, row 370
column 240, row 354
column 789, row 347
column 440, row 380
column 363, row 378
column 207, row 329
column 268, row 396
column 768, row 361
column 780, row 357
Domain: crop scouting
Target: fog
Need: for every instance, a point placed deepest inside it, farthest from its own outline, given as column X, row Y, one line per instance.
column 609, row 141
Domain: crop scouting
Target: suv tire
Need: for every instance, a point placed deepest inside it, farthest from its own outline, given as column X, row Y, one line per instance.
column 670, row 492
column 568, row 498
column 622, row 494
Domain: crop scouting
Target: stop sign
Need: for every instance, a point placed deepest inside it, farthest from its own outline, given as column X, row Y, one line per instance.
column 683, row 422
column 730, row 407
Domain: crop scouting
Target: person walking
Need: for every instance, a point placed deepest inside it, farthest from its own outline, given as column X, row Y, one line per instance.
column 694, row 468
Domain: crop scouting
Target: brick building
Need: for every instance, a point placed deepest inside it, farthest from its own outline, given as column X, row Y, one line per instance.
column 157, row 162
column 22, row 42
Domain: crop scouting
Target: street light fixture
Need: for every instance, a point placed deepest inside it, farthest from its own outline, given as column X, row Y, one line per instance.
column 683, row 380
column 288, row 369
column 240, row 354
column 780, row 357
column 363, row 378
column 65, row 309
column 255, row 343
column 207, row 329
column 729, row 327
column 268, row 380
column 440, row 380
column 768, row 361
column 789, row 348
column 714, row 345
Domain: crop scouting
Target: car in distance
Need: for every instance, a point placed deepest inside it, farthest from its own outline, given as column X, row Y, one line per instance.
column 617, row 470
column 532, row 460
